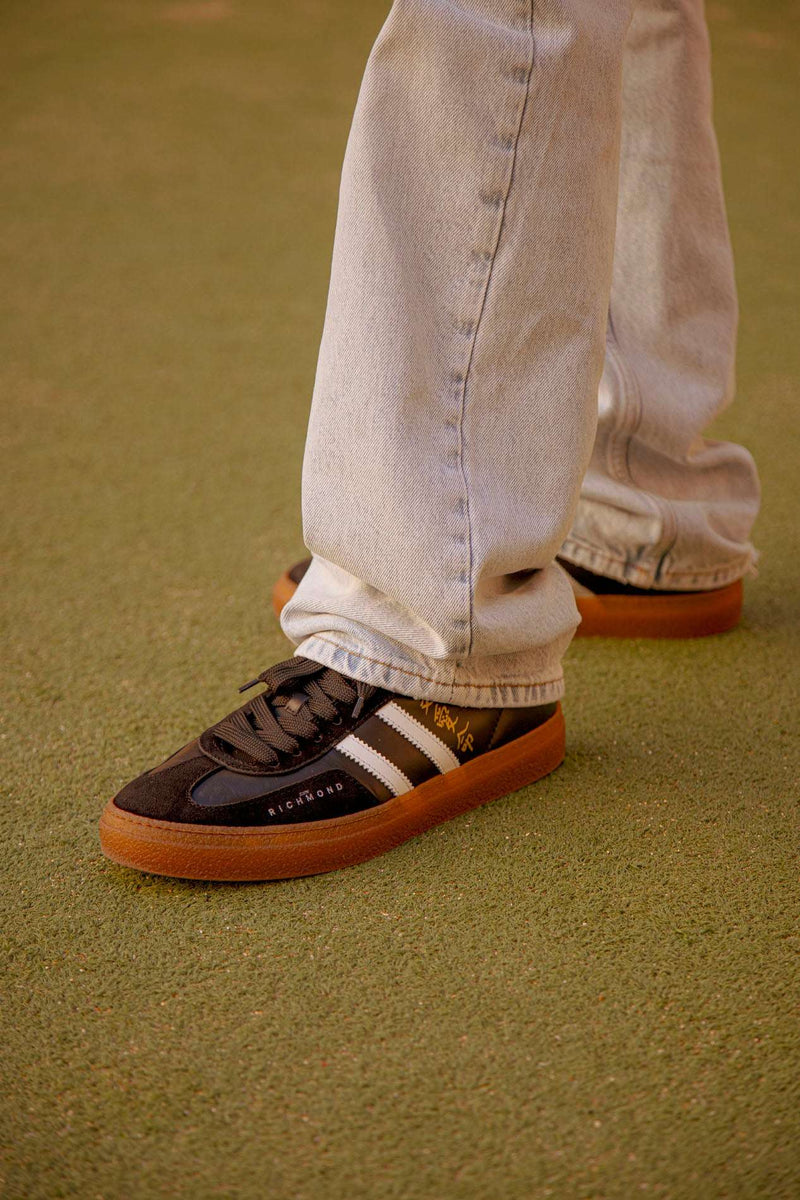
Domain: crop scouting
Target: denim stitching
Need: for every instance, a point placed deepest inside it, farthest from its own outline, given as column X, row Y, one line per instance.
column 584, row 554
column 499, row 201
column 318, row 637
column 620, row 443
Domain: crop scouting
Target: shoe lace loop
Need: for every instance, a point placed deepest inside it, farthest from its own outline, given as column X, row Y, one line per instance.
column 299, row 697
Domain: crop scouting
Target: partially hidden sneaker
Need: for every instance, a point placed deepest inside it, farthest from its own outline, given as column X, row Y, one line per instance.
column 318, row 772
column 609, row 608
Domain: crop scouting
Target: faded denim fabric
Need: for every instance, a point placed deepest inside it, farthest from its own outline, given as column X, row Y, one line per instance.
column 479, row 305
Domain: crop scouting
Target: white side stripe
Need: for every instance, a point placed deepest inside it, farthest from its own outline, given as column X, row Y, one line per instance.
column 432, row 746
column 374, row 762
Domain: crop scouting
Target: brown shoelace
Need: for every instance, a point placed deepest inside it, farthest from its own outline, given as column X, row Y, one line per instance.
column 300, row 697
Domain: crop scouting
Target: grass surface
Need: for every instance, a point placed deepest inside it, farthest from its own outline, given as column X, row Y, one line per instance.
column 584, row 990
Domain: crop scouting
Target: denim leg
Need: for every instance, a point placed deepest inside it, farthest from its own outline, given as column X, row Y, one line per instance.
column 455, row 406
column 661, row 505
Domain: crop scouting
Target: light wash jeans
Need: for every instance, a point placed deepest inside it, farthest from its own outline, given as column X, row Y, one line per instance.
column 481, row 301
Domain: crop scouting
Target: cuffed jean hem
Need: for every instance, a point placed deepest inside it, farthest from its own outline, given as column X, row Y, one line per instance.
column 462, row 683
column 643, row 574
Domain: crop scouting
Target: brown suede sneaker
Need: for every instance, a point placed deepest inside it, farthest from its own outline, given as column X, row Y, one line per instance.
column 609, row 608
column 319, row 772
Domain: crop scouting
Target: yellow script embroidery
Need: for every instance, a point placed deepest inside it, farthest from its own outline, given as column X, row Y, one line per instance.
column 445, row 720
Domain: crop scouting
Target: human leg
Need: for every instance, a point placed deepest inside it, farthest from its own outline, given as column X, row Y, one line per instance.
column 662, row 506
column 455, row 402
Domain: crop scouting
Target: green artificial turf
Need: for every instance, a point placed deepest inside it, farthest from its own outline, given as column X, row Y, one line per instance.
column 585, row 990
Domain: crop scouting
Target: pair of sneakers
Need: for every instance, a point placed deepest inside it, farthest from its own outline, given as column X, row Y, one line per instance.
column 318, row 771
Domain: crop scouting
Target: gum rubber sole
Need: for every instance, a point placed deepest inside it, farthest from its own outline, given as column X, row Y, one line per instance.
column 227, row 853
column 662, row 615
column 282, row 593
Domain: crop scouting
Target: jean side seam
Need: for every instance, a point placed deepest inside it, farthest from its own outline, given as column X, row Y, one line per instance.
column 475, row 327
column 620, row 443
column 629, row 413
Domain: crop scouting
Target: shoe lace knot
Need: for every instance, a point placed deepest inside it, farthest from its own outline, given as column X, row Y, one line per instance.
column 300, row 698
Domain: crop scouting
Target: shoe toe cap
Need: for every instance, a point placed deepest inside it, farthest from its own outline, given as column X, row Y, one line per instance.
column 163, row 793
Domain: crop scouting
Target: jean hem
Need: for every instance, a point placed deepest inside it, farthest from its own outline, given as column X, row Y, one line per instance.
column 643, row 574
column 446, row 683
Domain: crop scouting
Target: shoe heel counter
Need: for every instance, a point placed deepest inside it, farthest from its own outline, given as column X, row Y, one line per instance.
column 514, row 722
